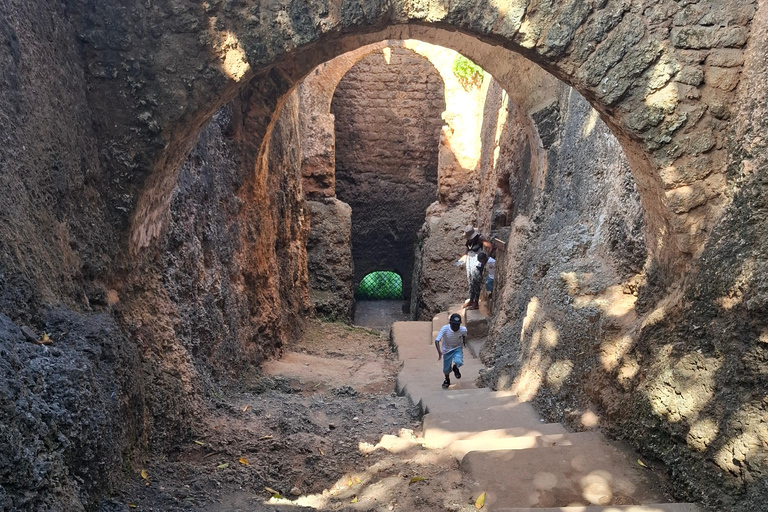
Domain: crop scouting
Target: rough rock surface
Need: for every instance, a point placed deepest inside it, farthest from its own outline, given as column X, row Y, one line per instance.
column 70, row 411
column 595, row 335
column 102, row 101
column 150, row 336
column 437, row 282
column 318, row 131
column 229, row 285
column 329, row 254
column 388, row 118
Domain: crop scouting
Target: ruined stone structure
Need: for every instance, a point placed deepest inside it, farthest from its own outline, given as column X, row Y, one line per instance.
column 388, row 110
column 122, row 236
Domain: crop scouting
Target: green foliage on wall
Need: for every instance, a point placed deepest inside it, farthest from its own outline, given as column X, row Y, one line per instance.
column 470, row 75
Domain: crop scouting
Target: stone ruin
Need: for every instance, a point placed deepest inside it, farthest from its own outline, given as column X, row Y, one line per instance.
column 160, row 199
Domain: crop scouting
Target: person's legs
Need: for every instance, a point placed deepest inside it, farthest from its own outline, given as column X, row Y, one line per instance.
column 458, row 357
column 474, row 290
column 472, row 275
column 447, row 364
column 458, row 361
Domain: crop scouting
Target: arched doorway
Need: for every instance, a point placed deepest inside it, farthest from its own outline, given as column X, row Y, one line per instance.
column 388, row 117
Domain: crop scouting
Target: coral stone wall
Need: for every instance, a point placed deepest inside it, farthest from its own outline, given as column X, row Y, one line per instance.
column 74, row 408
column 228, row 284
column 135, row 343
column 388, row 118
column 329, row 253
column 329, row 248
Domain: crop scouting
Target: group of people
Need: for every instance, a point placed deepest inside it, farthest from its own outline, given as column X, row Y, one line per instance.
column 477, row 258
column 453, row 336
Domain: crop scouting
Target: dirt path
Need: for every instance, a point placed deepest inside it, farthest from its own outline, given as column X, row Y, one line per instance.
column 378, row 315
column 321, row 426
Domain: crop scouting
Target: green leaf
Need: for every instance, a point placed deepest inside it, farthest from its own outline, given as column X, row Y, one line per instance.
column 480, row 501
column 469, row 74
column 416, row 479
column 223, row 465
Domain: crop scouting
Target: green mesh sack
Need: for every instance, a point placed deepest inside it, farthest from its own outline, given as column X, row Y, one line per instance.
column 380, row 285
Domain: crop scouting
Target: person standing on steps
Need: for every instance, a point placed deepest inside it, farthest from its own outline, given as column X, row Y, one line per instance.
column 452, row 337
column 475, row 243
column 489, row 264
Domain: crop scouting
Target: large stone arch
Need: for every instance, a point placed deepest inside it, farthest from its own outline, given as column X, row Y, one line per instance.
column 659, row 75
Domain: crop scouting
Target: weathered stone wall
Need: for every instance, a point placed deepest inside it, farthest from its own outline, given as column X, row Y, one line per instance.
column 680, row 83
column 388, row 117
column 329, row 248
column 69, row 412
column 597, row 335
column 134, row 343
column 329, row 253
column 228, row 285
column 159, row 71
column 318, row 130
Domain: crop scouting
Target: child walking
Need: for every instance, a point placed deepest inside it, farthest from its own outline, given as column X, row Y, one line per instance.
column 453, row 337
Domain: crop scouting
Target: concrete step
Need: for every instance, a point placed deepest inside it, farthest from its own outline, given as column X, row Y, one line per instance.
column 473, row 319
column 442, row 428
column 590, row 472
column 475, row 346
column 489, row 443
column 444, row 439
column 656, row 507
column 412, row 340
column 455, row 399
column 419, row 378
column 504, row 448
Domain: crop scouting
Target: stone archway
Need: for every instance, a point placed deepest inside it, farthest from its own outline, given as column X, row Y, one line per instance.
column 661, row 79
column 388, row 121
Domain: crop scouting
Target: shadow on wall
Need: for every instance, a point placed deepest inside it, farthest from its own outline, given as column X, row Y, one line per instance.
column 595, row 338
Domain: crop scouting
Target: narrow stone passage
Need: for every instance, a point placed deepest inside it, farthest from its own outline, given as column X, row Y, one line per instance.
column 506, row 450
column 379, row 314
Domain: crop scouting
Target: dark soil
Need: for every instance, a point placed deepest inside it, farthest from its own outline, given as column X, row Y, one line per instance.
column 329, row 448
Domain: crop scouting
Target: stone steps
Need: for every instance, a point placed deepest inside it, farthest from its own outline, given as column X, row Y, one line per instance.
column 473, row 319
column 500, row 442
column 589, row 470
column 503, row 446
column 442, row 428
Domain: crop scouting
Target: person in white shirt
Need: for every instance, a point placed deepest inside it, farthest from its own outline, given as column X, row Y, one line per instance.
column 488, row 264
column 450, row 343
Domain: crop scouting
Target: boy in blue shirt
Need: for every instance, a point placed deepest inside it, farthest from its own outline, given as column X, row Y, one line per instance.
column 449, row 344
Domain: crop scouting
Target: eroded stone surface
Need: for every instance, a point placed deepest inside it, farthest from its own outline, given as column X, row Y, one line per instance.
column 330, row 265
column 388, row 111
column 102, row 102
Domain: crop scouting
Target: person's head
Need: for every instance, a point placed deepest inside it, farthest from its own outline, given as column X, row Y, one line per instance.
column 455, row 322
column 470, row 232
column 482, row 257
